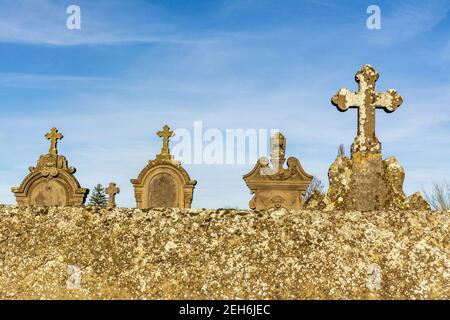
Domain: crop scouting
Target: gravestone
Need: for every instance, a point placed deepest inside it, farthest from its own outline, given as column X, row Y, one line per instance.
column 112, row 191
column 164, row 182
column 51, row 182
column 365, row 181
column 275, row 186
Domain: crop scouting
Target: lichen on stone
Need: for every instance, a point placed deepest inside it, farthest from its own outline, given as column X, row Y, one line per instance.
column 75, row 253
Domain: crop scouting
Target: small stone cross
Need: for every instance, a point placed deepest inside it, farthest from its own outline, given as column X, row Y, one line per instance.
column 166, row 134
column 367, row 100
column 53, row 136
column 112, row 190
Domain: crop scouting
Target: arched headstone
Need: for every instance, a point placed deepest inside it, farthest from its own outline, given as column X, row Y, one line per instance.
column 163, row 182
column 51, row 182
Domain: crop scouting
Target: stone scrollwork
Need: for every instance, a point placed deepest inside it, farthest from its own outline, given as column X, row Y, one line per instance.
column 275, row 186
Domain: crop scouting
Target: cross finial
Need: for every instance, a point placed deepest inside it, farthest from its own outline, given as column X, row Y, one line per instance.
column 53, row 136
column 112, row 190
column 278, row 148
column 367, row 100
column 166, row 134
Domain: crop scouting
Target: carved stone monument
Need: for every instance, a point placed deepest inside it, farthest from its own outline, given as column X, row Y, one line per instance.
column 51, row 182
column 164, row 182
column 275, row 186
column 112, row 191
column 366, row 182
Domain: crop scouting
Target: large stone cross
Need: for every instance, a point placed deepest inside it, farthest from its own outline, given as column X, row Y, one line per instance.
column 112, row 190
column 166, row 134
column 367, row 100
column 53, row 136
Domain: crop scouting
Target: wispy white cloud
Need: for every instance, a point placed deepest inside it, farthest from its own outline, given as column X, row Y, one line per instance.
column 44, row 22
column 404, row 20
column 234, row 6
column 325, row 3
column 50, row 81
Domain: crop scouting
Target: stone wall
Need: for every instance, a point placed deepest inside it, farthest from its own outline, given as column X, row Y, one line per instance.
column 85, row 253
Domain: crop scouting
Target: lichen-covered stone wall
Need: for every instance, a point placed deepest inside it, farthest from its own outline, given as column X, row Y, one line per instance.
column 84, row 253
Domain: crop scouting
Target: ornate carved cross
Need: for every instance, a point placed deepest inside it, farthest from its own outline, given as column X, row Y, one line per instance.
column 112, row 190
column 166, row 134
column 367, row 100
column 53, row 136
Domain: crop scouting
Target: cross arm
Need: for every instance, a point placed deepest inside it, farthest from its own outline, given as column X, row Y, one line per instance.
column 345, row 99
column 389, row 100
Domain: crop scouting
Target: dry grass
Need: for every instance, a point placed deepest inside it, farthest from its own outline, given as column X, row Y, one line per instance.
column 439, row 198
column 341, row 150
column 315, row 185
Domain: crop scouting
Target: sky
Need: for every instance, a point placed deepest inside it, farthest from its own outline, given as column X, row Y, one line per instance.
column 251, row 64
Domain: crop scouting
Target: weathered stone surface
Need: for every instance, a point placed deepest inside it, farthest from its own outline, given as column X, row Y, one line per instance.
column 112, row 191
column 164, row 192
column 366, row 182
column 51, row 182
column 417, row 202
column 56, row 253
column 164, row 182
column 273, row 185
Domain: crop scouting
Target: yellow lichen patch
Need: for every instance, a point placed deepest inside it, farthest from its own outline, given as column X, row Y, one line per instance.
column 75, row 253
column 360, row 157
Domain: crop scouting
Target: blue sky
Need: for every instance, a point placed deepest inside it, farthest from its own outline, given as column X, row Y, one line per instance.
column 136, row 65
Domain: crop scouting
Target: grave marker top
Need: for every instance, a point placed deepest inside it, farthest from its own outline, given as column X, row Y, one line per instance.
column 52, row 181
column 273, row 185
column 163, row 182
column 367, row 100
column 166, row 134
column 53, row 136
column 112, row 191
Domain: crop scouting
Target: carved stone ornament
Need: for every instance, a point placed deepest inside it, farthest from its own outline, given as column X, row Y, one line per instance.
column 275, row 186
column 51, row 182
